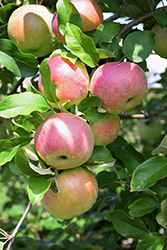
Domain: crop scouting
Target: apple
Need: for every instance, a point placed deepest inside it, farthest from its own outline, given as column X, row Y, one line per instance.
column 30, row 27
column 77, row 192
column 90, row 13
column 149, row 129
column 64, row 141
column 160, row 40
column 120, row 85
column 71, row 80
column 106, row 129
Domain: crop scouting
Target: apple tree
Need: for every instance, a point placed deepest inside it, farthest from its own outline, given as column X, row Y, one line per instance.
column 99, row 183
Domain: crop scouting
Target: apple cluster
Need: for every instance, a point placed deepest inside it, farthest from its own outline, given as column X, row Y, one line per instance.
column 63, row 140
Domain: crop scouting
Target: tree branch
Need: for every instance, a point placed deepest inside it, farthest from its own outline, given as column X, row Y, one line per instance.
column 13, row 235
column 14, row 90
column 145, row 115
column 138, row 20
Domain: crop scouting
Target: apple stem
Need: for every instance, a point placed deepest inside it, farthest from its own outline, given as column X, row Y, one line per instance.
column 13, row 235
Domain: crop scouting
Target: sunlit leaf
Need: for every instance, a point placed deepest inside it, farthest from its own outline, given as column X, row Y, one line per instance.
column 138, row 45
column 148, row 173
column 162, row 147
column 153, row 241
column 81, row 45
column 37, row 188
column 23, row 65
column 23, row 104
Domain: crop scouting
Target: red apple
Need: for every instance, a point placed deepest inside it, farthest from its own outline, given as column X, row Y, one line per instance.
column 71, row 80
column 120, row 85
column 160, row 40
column 64, row 141
column 106, row 129
column 91, row 17
column 77, row 193
column 30, row 27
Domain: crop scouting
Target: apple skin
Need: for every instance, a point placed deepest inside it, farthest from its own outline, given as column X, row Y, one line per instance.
column 77, row 193
column 160, row 40
column 64, row 141
column 90, row 13
column 30, row 27
column 106, row 129
column 120, row 85
column 150, row 130
column 71, row 80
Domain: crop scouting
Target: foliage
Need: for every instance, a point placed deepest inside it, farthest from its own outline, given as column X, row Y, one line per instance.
column 130, row 212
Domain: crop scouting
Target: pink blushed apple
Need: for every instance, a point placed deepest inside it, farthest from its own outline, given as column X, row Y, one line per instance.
column 90, row 13
column 30, row 27
column 77, row 193
column 120, row 85
column 106, row 129
column 71, row 80
column 64, row 141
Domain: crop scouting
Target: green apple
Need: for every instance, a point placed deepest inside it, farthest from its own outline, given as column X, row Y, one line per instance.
column 64, row 141
column 77, row 192
column 120, row 85
column 30, row 27
column 160, row 40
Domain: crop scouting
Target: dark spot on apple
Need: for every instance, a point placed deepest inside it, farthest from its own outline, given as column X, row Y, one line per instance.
column 63, row 157
column 129, row 99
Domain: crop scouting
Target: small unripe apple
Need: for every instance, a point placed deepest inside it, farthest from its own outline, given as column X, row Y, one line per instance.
column 30, row 27
column 150, row 130
column 71, row 80
column 77, row 192
column 120, row 85
column 64, row 141
column 90, row 13
column 106, row 129
column 160, row 40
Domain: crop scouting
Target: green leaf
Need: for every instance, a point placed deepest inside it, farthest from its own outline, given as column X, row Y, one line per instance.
column 160, row 187
column 142, row 206
column 23, row 163
column 153, row 241
column 107, row 179
column 138, row 45
column 81, row 45
column 161, row 17
column 127, row 153
column 6, row 11
column 22, row 65
column 162, row 148
column 9, row 148
column 22, row 104
column 148, row 173
column 67, row 13
column 49, row 88
column 107, row 31
column 89, row 102
column 128, row 227
column 162, row 216
column 100, row 154
column 92, row 115
column 37, row 188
